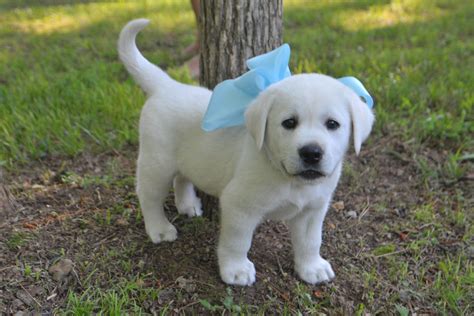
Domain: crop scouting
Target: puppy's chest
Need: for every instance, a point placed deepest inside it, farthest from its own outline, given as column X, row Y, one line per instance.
column 295, row 202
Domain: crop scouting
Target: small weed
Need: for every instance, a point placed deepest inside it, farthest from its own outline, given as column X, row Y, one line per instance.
column 384, row 249
column 125, row 298
column 360, row 309
column 442, row 125
column 126, row 265
column 402, row 310
column 398, row 270
column 27, row 270
column 195, row 224
column 37, row 275
column 210, row 307
column 71, row 178
column 424, row 213
column 453, row 279
column 370, row 279
column 351, row 176
column 126, row 182
column 427, row 171
column 108, row 217
column 89, row 180
column 86, row 181
column 113, row 302
column 453, row 169
column 17, row 240
column 80, row 304
column 228, row 304
column 104, row 219
column 305, row 302
column 138, row 216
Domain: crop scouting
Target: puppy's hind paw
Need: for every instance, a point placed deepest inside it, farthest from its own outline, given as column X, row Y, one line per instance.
column 317, row 271
column 191, row 209
column 157, row 234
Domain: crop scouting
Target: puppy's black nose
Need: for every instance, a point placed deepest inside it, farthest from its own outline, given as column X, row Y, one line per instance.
column 311, row 154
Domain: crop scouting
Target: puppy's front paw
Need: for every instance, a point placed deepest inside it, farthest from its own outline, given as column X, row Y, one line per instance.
column 158, row 234
column 316, row 271
column 238, row 272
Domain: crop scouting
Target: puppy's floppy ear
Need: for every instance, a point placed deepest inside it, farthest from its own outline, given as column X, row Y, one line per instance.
column 256, row 117
column 362, row 120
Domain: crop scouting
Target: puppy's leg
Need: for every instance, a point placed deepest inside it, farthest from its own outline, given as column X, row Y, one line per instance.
column 185, row 197
column 153, row 184
column 306, row 235
column 234, row 242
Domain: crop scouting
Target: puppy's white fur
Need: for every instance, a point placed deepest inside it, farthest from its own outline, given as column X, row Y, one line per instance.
column 254, row 170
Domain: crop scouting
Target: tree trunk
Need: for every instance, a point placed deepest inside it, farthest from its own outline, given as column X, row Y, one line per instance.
column 232, row 31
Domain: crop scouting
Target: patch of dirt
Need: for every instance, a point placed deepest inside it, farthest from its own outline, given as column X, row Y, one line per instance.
column 85, row 210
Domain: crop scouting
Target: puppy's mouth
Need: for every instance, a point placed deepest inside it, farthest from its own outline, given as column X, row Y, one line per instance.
column 310, row 174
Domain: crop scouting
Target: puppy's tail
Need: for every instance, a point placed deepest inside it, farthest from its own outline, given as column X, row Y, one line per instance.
column 148, row 76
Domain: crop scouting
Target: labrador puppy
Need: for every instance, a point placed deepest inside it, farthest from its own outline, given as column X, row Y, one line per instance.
column 283, row 165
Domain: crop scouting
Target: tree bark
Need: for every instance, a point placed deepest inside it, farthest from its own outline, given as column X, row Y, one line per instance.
column 232, row 31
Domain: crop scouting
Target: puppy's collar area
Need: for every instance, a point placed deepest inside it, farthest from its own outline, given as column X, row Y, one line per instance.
column 231, row 98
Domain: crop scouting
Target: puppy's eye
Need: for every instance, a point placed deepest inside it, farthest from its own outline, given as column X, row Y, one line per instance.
column 332, row 125
column 290, row 123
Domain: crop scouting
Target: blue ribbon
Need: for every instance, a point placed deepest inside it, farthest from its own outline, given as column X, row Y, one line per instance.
column 231, row 98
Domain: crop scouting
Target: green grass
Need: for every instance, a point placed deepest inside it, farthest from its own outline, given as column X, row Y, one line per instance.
column 452, row 285
column 126, row 297
column 63, row 90
column 17, row 240
column 412, row 55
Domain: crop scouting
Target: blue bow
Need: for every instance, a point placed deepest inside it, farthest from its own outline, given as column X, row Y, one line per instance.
column 231, row 98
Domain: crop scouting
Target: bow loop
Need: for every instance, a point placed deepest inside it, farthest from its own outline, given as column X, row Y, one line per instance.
column 358, row 88
column 251, row 82
column 231, row 97
column 273, row 66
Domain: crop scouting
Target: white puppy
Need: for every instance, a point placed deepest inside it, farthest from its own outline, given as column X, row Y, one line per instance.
column 284, row 164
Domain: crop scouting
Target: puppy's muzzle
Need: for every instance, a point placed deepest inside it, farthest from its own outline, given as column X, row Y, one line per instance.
column 311, row 155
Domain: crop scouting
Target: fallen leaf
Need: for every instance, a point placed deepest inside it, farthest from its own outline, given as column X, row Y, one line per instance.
column 29, row 225
column 318, row 294
column 403, row 236
column 339, row 205
column 121, row 222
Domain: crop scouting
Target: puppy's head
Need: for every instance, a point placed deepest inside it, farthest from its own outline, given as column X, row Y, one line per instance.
column 304, row 124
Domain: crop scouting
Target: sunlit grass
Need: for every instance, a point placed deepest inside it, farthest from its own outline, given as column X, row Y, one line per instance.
column 64, row 18
column 389, row 14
